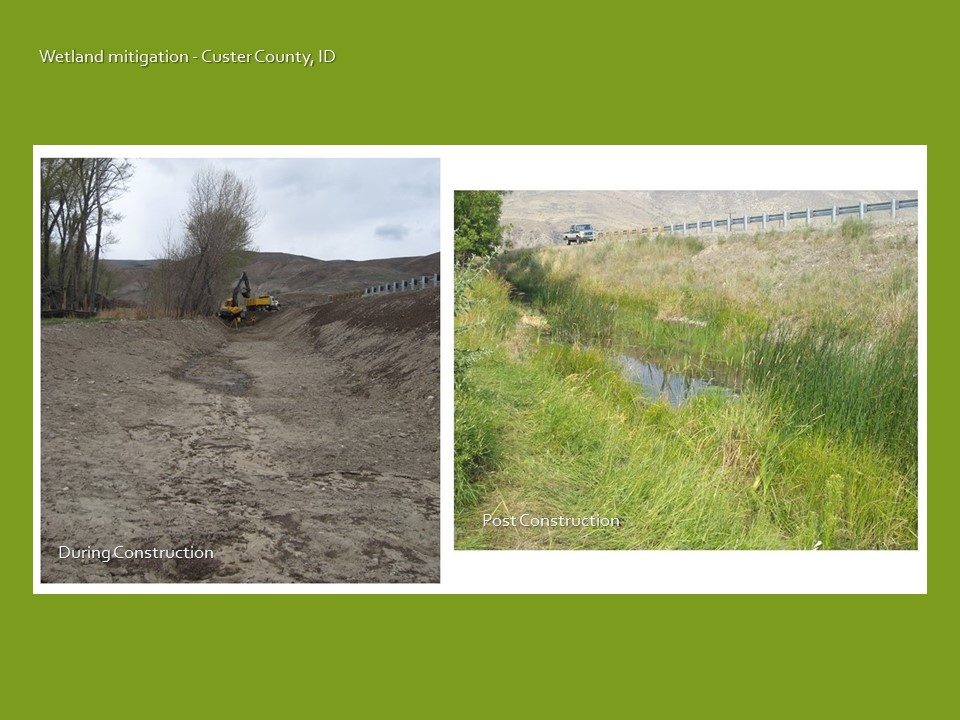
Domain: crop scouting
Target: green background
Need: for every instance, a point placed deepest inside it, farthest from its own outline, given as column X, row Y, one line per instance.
column 476, row 74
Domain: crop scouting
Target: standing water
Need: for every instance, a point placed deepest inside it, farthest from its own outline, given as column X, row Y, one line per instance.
column 657, row 383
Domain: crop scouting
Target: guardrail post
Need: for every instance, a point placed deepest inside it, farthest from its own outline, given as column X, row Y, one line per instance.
column 861, row 210
column 786, row 215
column 833, row 218
column 713, row 226
column 764, row 222
column 893, row 209
column 808, row 216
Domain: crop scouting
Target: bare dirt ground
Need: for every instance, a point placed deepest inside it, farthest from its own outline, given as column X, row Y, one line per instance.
column 304, row 448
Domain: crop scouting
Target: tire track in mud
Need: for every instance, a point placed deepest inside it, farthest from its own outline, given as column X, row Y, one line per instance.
column 248, row 485
column 288, row 461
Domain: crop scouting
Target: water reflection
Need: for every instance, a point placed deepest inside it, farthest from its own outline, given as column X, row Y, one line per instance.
column 656, row 383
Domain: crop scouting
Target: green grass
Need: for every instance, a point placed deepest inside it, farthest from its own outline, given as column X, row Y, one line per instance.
column 576, row 439
column 845, row 385
column 819, row 449
column 484, row 316
column 853, row 229
column 683, row 327
column 477, row 429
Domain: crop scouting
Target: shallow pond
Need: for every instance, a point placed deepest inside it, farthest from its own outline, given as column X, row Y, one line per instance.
column 657, row 383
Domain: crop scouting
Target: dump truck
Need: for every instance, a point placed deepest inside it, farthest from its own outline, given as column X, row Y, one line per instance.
column 263, row 303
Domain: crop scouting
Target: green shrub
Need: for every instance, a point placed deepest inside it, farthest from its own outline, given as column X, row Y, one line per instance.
column 856, row 229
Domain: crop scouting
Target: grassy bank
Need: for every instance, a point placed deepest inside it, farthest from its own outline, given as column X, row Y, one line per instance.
column 819, row 447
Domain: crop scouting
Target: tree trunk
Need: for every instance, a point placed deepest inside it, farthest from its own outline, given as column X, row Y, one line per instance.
column 65, row 230
column 46, row 228
column 80, row 249
column 92, row 301
column 185, row 299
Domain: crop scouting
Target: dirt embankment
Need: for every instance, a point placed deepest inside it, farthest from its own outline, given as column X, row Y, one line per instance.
column 304, row 448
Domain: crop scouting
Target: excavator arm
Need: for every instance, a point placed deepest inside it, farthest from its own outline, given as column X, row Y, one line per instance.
column 242, row 287
column 231, row 309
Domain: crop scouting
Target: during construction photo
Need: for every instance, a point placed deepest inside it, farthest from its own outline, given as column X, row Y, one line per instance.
column 219, row 414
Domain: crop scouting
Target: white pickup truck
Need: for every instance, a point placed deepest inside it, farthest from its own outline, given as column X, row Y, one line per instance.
column 580, row 234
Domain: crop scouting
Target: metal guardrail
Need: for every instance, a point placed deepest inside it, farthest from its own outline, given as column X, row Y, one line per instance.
column 418, row 283
column 764, row 219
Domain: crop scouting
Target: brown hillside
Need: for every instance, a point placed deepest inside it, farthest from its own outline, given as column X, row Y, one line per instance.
column 295, row 279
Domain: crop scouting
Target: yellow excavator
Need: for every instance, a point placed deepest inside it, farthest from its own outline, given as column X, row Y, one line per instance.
column 231, row 309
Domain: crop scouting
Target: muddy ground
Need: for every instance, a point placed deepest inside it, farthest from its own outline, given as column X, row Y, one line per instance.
column 304, row 448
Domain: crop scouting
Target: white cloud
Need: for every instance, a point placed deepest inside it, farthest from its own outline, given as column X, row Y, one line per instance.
column 329, row 209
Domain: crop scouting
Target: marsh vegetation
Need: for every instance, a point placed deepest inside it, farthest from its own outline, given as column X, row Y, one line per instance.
column 803, row 435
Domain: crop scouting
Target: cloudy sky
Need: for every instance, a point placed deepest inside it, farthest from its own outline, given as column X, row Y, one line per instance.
column 330, row 209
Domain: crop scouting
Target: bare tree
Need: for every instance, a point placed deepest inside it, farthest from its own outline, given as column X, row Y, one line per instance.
column 51, row 208
column 75, row 194
column 218, row 225
column 109, row 180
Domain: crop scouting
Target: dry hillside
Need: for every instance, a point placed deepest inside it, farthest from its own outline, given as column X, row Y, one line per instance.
column 296, row 279
column 539, row 218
